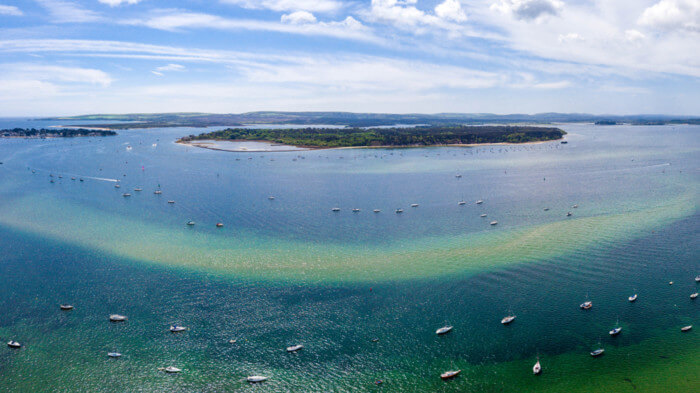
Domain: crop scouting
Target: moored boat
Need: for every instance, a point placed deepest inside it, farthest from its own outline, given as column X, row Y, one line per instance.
column 66, row 307
column 117, row 318
column 219, row 224
column 14, row 344
column 586, row 305
column 190, row 223
column 114, row 355
column 177, row 328
column 694, row 295
column 256, row 378
column 537, row 368
column 450, row 374
column 295, row 348
column 479, row 202
column 686, row 328
column 335, row 209
column 632, row 298
column 443, row 330
column 508, row 319
column 414, row 205
column 171, row 370
column 494, row 222
column 615, row 331
column 597, row 352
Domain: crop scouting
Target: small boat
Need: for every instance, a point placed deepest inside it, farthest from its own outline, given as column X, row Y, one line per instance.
column 686, row 328
column 443, row 330
column 355, row 210
column 479, row 202
column 399, row 211
column 51, row 181
column 494, row 222
column 114, row 355
column 138, row 189
column 270, row 197
column 157, row 192
column 586, row 305
column 697, row 278
column 615, row 331
column 375, row 340
column 458, row 176
column 483, row 215
column 176, row 329
column 171, row 202
column 335, row 209
column 232, row 341
column 450, row 374
column 72, row 178
column 597, row 352
column 190, row 223
column 632, row 298
column 219, row 224
column 694, row 295
column 294, row 348
column 546, row 209
column 117, row 186
column 575, row 206
column 568, row 214
column 66, row 307
column 564, row 142
column 414, row 205
column 508, row 319
column 537, row 368
column 171, row 370
column 14, row 344
column 81, row 179
column 461, row 203
column 670, row 283
column 376, row 210
column 126, row 194
column 256, row 378
column 117, row 318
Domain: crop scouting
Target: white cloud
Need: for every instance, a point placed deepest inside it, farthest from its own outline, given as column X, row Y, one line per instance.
column 55, row 74
column 114, row 3
column 529, row 9
column 68, row 12
column 10, row 10
column 174, row 20
column 298, row 18
column 451, row 10
column 171, row 67
column 672, row 15
column 570, row 37
column 289, row 5
column 634, row 35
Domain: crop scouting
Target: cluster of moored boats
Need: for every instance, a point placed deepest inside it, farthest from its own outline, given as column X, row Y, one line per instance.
column 587, row 305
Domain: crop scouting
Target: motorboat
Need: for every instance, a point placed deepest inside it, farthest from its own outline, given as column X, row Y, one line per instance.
column 458, row 176
column 256, row 378
column 399, row 211
column 494, row 222
column 335, row 209
column 568, row 214
column 138, row 189
column 356, row 210
column 537, row 368
column 479, row 202
column 157, row 192
column 177, row 328
column 219, row 224
column 117, row 318
column 508, row 319
column 414, row 205
column 587, row 305
column 190, row 223
column 114, row 355
column 14, row 344
column 376, row 210
column 461, row 203
column 117, row 186
column 615, row 331
column 450, row 374
column 694, row 295
column 597, row 352
column 171, row 370
column 171, row 202
column 295, row 348
column 632, row 298
column 697, row 278
column 443, row 330
column 686, row 328
column 126, row 194
column 574, row 206
column 270, row 197
column 66, row 307
column 670, row 283
column 546, row 209
column 483, row 215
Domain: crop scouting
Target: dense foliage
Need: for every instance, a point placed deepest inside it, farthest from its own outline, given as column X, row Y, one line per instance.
column 53, row 132
column 410, row 136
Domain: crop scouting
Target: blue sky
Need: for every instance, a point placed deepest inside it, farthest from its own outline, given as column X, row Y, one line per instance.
column 227, row 56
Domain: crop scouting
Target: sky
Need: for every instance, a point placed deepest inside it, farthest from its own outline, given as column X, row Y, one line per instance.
column 69, row 57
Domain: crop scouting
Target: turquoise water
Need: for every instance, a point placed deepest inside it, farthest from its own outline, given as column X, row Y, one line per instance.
column 289, row 270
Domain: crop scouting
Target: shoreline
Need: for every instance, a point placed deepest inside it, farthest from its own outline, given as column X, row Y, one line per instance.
column 310, row 148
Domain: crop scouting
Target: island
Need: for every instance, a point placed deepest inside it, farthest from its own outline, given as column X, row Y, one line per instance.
column 319, row 138
column 53, row 132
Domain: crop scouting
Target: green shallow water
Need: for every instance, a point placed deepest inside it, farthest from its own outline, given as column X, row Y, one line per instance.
column 289, row 271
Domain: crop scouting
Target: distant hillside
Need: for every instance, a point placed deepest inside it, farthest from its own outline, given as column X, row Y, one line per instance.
column 150, row 120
